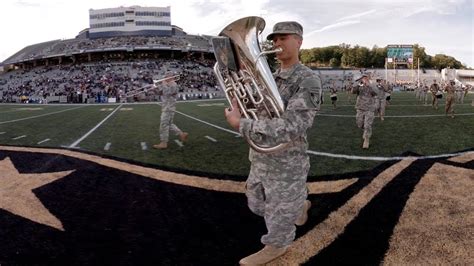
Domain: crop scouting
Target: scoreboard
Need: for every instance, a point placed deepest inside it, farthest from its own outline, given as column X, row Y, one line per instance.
column 400, row 53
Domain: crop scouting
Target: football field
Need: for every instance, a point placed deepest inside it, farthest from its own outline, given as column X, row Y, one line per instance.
column 128, row 131
column 82, row 184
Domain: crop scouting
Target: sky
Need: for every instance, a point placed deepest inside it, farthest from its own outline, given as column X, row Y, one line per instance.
column 441, row 26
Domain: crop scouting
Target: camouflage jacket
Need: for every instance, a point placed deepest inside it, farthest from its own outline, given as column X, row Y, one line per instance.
column 449, row 89
column 366, row 97
column 382, row 89
column 300, row 90
column 434, row 88
column 168, row 98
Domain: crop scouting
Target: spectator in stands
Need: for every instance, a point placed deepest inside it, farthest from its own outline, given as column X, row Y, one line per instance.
column 365, row 106
column 449, row 88
column 435, row 89
column 169, row 90
column 276, row 186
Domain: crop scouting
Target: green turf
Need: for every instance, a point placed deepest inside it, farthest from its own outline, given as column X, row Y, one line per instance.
column 125, row 130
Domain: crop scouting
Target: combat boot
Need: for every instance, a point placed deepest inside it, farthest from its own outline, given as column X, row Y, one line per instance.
column 304, row 216
column 183, row 136
column 265, row 255
column 163, row 145
column 366, row 143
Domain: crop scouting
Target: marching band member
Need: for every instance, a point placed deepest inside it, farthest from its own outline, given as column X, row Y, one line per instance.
column 449, row 88
column 168, row 89
column 381, row 99
column 435, row 94
column 276, row 185
column 365, row 106
column 333, row 95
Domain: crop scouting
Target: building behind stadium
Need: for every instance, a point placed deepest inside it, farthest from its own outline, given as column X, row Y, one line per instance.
column 130, row 21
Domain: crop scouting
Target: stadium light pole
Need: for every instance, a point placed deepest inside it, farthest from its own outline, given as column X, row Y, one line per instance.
column 418, row 72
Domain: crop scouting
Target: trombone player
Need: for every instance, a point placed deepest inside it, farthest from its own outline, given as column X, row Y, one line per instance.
column 276, row 185
column 168, row 89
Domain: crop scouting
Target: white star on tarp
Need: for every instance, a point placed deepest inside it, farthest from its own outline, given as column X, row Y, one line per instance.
column 17, row 197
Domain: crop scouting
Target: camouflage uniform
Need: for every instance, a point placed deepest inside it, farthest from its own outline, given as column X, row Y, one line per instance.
column 381, row 99
column 168, row 107
column 465, row 90
column 424, row 94
column 365, row 106
column 276, row 186
column 434, row 88
column 349, row 92
column 449, row 108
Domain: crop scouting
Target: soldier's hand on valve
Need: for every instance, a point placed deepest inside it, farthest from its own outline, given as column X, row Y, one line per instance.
column 232, row 114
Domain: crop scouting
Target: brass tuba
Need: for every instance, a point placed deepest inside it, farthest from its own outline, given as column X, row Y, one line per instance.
column 243, row 73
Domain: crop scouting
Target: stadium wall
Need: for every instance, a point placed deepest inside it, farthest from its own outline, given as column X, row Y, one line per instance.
column 108, row 34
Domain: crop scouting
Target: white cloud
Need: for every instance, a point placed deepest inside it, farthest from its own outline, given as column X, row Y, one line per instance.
column 430, row 23
column 358, row 15
column 333, row 26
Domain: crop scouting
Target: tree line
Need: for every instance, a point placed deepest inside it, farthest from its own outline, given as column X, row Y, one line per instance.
column 347, row 56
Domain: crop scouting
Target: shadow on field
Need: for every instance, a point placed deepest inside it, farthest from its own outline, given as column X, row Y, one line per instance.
column 96, row 213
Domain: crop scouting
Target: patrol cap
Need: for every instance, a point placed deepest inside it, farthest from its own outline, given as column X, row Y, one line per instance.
column 359, row 77
column 286, row 27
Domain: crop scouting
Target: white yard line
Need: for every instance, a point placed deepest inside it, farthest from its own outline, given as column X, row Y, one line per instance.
column 144, row 146
column 345, row 156
column 36, row 116
column 43, row 141
column 211, row 139
column 1, row 133
column 399, row 116
column 209, row 124
column 180, row 144
column 20, row 137
column 402, row 105
column 107, row 146
column 378, row 158
column 74, row 145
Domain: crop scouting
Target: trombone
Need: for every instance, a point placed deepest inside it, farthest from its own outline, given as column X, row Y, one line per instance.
column 155, row 81
column 148, row 87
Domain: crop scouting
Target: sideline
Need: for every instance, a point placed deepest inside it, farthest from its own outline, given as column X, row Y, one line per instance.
column 345, row 156
column 399, row 116
column 36, row 116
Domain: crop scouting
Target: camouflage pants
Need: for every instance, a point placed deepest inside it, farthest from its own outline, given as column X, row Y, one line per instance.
column 166, row 124
column 434, row 101
column 277, row 193
column 380, row 106
column 424, row 97
column 449, row 108
column 364, row 120
column 461, row 101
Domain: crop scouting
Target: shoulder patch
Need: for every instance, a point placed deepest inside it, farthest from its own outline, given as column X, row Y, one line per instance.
column 313, row 86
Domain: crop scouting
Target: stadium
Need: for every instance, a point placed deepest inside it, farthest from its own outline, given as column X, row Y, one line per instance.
column 81, row 184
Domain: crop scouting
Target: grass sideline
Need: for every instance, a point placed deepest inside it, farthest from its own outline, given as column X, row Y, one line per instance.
column 427, row 132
